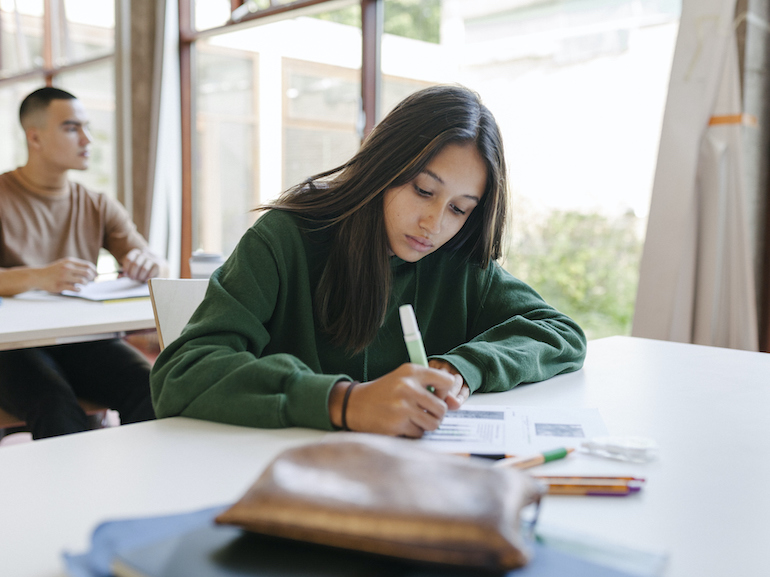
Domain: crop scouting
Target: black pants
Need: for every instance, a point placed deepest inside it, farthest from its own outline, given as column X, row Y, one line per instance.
column 42, row 385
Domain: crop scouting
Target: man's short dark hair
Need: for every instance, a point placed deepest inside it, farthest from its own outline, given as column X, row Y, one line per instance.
column 40, row 99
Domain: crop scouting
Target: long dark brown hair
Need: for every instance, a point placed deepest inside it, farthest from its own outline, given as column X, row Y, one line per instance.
column 352, row 296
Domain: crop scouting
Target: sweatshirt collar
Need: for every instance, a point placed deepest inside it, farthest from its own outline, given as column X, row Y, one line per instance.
column 396, row 262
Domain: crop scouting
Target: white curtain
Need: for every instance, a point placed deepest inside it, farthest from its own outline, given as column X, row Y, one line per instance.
column 697, row 278
column 166, row 176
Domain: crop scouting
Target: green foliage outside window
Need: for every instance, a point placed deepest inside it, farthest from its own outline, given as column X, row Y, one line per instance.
column 585, row 265
column 350, row 16
column 417, row 19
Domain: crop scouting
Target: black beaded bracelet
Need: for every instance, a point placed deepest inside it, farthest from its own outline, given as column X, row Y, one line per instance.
column 345, row 405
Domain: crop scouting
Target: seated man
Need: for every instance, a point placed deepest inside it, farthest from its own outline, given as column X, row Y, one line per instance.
column 51, row 230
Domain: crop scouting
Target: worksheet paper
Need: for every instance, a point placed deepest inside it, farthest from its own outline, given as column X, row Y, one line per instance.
column 514, row 430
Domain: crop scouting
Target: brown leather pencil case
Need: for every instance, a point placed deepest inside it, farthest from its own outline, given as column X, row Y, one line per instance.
column 390, row 497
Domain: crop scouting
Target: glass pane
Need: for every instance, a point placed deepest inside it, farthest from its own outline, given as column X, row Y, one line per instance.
column 274, row 106
column 13, row 148
column 94, row 86
column 211, row 13
column 321, row 104
column 21, row 36
column 579, row 90
column 226, row 187
column 87, row 30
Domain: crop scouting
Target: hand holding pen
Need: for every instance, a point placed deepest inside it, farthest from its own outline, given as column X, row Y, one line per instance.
column 416, row 349
column 407, row 401
column 64, row 274
column 398, row 403
column 460, row 393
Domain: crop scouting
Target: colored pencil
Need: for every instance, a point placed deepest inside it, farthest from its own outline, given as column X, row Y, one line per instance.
column 592, row 486
column 534, row 460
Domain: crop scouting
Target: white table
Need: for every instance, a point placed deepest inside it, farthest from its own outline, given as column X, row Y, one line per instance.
column 37, row 319
column 705, row 502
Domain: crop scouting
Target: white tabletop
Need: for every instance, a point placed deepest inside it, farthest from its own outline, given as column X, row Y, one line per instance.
column 705, row 502
column 36, row 319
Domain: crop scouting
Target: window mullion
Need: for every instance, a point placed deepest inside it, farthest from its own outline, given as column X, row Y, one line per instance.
column 185, row 69
column 49, row 9
column 372, row 17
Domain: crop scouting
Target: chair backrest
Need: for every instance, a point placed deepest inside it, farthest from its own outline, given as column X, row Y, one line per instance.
column 174, row 301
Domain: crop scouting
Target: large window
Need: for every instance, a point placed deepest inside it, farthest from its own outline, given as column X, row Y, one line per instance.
column 579, row 91
column 577, row 86
column 272, row 106
column 68, row 44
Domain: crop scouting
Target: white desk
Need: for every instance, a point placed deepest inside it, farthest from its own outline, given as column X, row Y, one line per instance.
column 38, row 319
column 705, row 502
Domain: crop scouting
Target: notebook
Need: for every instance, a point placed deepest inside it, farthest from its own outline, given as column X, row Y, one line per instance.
column 223, row 551
column 191, row 545
column 111, row 290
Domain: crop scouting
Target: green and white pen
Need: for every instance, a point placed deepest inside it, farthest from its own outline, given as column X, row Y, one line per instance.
column 413, row 338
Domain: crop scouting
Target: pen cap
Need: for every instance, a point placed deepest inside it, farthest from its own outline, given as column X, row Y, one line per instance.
column 408, row 320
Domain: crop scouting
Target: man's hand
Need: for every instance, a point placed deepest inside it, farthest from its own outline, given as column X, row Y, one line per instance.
column 140, row 265
column 63, row 274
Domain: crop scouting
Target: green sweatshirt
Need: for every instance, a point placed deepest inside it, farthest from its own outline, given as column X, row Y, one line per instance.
column 253, row 355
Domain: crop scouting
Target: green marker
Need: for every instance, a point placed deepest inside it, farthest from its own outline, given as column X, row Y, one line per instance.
column 413, row 338
column 534, row 460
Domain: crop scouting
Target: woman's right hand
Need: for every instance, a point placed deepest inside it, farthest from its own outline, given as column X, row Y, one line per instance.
column 397, row 403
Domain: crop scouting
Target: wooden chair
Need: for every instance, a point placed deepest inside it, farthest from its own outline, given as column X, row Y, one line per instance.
column 173, row 302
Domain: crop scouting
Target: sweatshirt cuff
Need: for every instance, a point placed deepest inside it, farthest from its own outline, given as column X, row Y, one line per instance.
column 308, row 401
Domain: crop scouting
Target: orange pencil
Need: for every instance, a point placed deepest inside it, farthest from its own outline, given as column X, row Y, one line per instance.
column 599, row 486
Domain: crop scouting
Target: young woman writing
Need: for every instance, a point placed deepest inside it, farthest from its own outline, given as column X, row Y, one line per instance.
column 300, row 327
